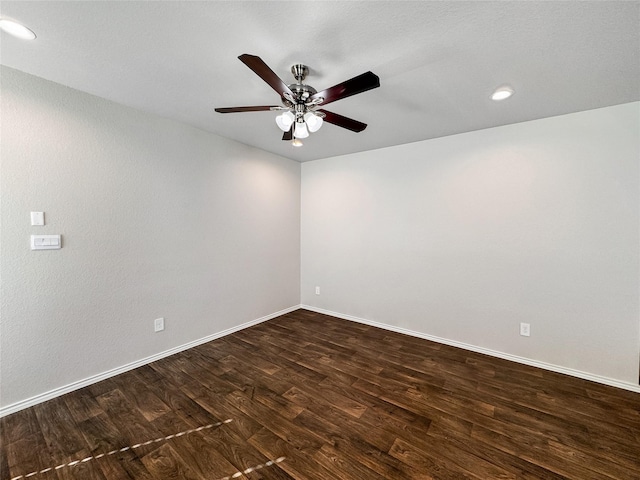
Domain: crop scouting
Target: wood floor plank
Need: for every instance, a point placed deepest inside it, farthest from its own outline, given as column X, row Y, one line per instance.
column 57, row 426
column 307, row 396
column 4, row 468
column 331, row 416
column 164, row 463
column 539, row 454
column 129, row 421
column 523, row 469
column 20, row 458
column 19, row 425
column 296, row 463
column 353, row 442
column 303, row 440
column 101, row 434
column 203, row 457
column 82, row 471
column 125, row 465
column 82, row 405
column 341, row 466
column 138, row 393
column 216, row 404
column 441, row 468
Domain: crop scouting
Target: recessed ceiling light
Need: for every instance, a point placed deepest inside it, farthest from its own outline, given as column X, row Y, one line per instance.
column 502, row 93
column 16, row 29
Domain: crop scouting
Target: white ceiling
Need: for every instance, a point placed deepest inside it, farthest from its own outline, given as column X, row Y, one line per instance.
column 438, row 62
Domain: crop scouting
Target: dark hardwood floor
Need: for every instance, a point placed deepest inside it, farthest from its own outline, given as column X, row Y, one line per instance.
column 307, row 396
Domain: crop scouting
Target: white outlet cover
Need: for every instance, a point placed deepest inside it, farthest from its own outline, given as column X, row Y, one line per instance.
column 37, row 218
column 158, row 324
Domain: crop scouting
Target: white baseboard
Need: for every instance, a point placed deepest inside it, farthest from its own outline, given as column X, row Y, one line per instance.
column 43, row 397
column 56, row 392
column 494, row 353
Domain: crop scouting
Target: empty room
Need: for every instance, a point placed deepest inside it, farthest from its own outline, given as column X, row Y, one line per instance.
column 319, row 240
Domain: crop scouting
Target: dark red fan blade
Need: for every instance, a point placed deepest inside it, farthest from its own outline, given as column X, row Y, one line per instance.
column 344, row 122
column 358, row 84
column 264, row 72
column 244, row 109
column 288, row 135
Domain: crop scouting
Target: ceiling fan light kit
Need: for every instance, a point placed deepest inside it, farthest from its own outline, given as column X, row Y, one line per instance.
column 300, row 103
column 313, row 121
column 285, row 120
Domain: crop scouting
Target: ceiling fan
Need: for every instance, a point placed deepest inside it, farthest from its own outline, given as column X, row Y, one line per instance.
column 300, row 103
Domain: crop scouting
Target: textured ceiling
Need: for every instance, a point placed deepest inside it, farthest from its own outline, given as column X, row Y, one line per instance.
column 438, row 62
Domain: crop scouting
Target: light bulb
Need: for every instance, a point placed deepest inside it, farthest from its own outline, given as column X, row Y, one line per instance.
column 296, row 143
column 285, row 120
column 301, row 130
column 16, row 29
column 314, row 122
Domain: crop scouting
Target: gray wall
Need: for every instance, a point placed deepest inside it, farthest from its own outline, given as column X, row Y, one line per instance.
column 464, row 237
column 460, row 238
column 158, row 219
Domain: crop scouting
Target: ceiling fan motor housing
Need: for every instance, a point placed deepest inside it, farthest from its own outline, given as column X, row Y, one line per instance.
column 301, row 93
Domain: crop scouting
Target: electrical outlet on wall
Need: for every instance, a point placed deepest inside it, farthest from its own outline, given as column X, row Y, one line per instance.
column 317, row 290
column 525, row 329
column 158, row 324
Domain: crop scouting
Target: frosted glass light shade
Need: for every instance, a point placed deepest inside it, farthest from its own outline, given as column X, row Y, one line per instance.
column 285, row 120
column 314, row 122
column 301, row 130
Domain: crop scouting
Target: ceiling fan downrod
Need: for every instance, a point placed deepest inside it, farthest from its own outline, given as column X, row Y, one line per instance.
column 300, row 72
